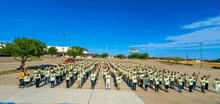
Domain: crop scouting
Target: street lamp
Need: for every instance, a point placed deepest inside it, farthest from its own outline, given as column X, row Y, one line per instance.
column 201, row 53
column 187, row 57
column 63, row 46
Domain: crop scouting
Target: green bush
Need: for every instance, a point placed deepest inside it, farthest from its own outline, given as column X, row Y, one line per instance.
column 189, row 64
column 33, row 67
column 215, row 67
column 179, row 63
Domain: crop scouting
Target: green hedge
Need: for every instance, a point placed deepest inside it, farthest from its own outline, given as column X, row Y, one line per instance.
column 189, row 64
column 33, row 67
column 215, row 67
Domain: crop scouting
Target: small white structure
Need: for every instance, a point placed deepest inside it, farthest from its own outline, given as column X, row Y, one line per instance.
column 197, row 60
column 60, row 52
column 110, row 56
column 2, row 45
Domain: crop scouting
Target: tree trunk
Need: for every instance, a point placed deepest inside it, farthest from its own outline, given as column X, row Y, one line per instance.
column 22, row 61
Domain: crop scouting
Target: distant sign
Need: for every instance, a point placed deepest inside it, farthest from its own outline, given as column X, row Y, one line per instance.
column 133, row 50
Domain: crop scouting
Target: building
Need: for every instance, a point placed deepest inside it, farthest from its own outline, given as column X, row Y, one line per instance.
column 109, row 56
column 60, row 52
column 86, row 54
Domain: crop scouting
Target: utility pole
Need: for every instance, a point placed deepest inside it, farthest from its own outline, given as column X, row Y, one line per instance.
column 107, row 48
column 187, row 57
column 63, row 46
column 201, row 53
column 156, row 53
column 219, row 50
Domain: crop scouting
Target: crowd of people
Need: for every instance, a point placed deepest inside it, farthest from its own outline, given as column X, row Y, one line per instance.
column 131, row 73
column 155, row 78
column 79, row 70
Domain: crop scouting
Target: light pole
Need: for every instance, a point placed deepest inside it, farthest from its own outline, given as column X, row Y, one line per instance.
column 201, row 53
column 63, row 46
column 187, row 57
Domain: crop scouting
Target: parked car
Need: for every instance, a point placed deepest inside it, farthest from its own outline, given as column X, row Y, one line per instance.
column 70, row 60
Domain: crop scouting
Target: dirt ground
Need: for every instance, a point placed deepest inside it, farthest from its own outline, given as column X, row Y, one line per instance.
column 149, row 96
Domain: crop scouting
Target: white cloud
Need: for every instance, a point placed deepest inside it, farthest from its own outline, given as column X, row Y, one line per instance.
column 207, row 22
column 209, row 37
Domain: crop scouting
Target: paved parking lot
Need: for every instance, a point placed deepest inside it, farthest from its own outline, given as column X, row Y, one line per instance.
column 62, row 95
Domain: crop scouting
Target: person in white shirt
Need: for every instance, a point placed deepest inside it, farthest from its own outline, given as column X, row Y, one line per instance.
column 25, row 81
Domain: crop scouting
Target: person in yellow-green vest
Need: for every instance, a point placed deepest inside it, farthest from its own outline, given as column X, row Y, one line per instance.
column 52, row 79
column 67, row 77
column 92, row 78
column 202, row 83
column 216, row 85
column 38, row 76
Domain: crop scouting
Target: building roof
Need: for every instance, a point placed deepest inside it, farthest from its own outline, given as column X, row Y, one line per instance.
column 60, row 49
column 84, row 49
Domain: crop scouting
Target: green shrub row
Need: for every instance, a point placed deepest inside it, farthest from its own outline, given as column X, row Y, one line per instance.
column 189, row 64
column 215, row 67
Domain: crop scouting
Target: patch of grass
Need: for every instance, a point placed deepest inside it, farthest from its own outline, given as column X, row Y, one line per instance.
column 215, row 67
column 8, row 61
column 18, row 70
column 10, row 71
column 189, row 64
column 34, row 59
column 31, row 59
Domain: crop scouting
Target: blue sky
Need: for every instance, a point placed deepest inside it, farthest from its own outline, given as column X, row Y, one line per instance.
column 172, row 27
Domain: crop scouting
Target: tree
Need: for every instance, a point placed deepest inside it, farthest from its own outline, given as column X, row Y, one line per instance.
column 104, row 55
column 52, row 51
column 133, row 56
column 96, row 55
column 143, row 56
column 168, row 59
column 176, row 59
column 115, row 56
column 119, row 56
column 75, row 51
column 1, row 51
column 24, row 48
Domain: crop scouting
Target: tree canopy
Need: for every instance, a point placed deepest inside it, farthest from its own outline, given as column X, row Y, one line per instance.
column 24, row 48
column 75, row 51
column 52, row 50
column 104, row 55
column 168, row 59
column 177, row 60
column 141, row 56
column 119, row 56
